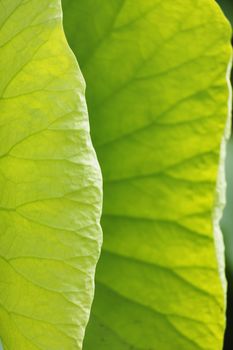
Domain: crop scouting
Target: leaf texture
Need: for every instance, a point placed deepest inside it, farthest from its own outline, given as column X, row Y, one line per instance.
column 50, row 183
column 157, row 97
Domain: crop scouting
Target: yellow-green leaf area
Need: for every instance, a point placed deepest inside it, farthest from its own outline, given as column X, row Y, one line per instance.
column 157, row 95
column 50, row 184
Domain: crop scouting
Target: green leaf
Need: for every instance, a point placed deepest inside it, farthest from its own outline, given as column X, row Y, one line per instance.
column 227, row 220
column 157, row 97
column 50, row 183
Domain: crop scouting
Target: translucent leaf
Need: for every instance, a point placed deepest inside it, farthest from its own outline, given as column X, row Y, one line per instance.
column 50, row 183
column 158, row 101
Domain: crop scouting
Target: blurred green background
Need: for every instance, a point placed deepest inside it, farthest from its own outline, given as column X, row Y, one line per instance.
column 227, row 6
column 227, row 220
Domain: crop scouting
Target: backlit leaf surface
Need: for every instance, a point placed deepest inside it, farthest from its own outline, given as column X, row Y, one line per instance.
column 50, row 183
column 157, row 96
